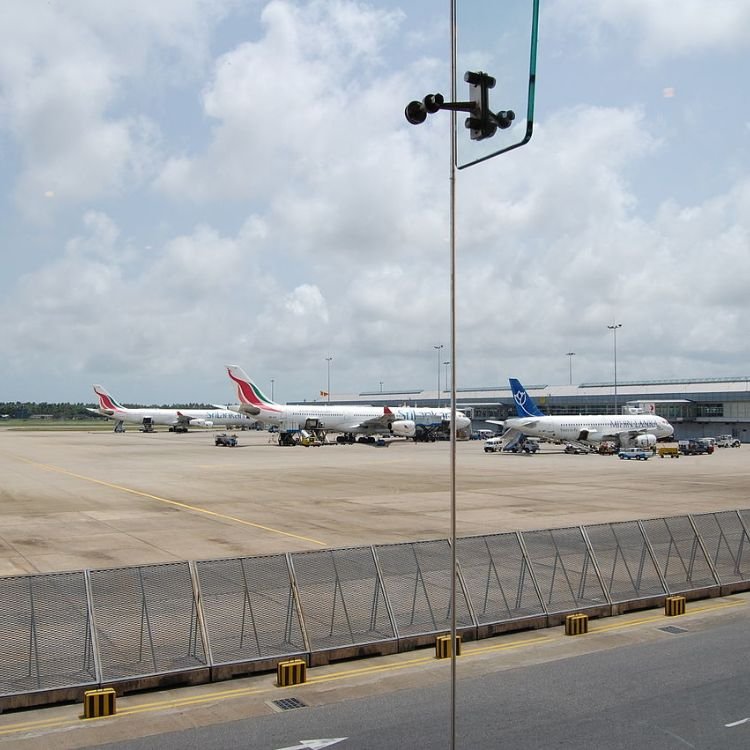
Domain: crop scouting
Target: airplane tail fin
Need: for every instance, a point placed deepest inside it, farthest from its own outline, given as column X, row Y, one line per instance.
column 248, row 392
column 106, row 402
column 525, row 406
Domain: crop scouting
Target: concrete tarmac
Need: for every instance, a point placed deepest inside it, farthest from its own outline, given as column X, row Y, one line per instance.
column 73, row 500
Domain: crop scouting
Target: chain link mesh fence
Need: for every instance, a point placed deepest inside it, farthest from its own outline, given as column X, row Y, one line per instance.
column 498, row 578
column 628, row 571
column 342, row 598
column 45, row 633
column 250, row 609
column 678, row 553
column 64, row 630
column 417, row 576
column 146, row 620
column 563, row 569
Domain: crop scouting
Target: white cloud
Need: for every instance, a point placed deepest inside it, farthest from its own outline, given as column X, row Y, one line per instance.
column 63, row 68
column 309, row 220
column 315, row 104
column 665, row 29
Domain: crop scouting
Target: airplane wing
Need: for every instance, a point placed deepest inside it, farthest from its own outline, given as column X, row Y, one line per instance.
column 629, row 433
column 382, row 421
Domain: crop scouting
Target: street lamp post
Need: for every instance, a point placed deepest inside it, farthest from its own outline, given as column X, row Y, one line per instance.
column 447, row 364
column 438, row 347
column 272, row 382
column 381, row 386
column 328, row 381
column 570, row 356
column 614, row 328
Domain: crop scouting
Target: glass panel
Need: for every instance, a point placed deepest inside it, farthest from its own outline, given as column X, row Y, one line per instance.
column 498, row 39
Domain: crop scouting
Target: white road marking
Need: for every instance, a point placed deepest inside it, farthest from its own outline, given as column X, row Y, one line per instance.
column 737, row 723
column 314, row 744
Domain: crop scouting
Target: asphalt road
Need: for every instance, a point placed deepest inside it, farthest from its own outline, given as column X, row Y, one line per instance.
column 688, row 689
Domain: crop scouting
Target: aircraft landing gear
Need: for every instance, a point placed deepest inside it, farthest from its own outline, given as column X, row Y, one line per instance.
column 119, row 426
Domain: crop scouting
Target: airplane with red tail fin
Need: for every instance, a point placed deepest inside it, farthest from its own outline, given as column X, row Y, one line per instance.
column 178, row 420
column 419, row 423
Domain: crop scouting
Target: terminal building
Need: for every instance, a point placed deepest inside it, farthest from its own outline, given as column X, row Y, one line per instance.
column 695, row 407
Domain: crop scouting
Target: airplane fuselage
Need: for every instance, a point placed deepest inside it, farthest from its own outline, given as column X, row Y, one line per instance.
column 591, row 429
column 351, row 418
column 171, row 417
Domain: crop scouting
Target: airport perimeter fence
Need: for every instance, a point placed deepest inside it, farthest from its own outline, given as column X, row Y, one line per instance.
column 190, row 622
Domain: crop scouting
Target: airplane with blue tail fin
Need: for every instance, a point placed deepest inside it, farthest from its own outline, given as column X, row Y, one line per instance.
column 627, row 430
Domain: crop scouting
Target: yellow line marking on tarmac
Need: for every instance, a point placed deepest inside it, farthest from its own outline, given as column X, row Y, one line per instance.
column 424, row 660
column 662, row 617
column 184, row 506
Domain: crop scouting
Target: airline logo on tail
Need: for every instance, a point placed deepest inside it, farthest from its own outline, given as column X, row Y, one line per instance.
column 525, row 406
column 106, row 402
column 249, row 393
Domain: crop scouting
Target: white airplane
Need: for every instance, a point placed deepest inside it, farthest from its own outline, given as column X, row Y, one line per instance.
column 629, row 430
column 178, row 420
column 411, row 422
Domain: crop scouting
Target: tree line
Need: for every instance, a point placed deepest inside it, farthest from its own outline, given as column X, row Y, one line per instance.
column 28, row 409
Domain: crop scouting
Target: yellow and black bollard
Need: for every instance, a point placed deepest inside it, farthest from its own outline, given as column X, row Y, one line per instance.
column 98, row 703
column 291, row 672
column 443, row 646
column 576, row 624
column 674, row 605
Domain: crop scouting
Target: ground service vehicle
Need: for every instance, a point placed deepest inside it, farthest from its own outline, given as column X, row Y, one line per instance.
column 574, row 449
column 224, row 440
column 635, row 453
column 523, row 446
column 493, row 444
column 668, row 450
column 694, row 447
column 727, row 441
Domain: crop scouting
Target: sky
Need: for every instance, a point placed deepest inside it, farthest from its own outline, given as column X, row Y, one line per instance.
column 187, row 184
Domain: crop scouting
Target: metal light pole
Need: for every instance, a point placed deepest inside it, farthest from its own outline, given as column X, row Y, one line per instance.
column 328, row 382
column 483, row 124
column 272, row 382
column 614, row 328
column 438, row 347
column 381, row 386
column 570, row 355
column 447, row 364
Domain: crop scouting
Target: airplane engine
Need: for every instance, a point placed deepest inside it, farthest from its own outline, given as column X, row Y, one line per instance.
column 645, row 441
column 201, row 423
column 404, row 428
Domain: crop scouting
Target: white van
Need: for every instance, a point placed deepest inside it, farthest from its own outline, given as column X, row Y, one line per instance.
column 493, row 444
